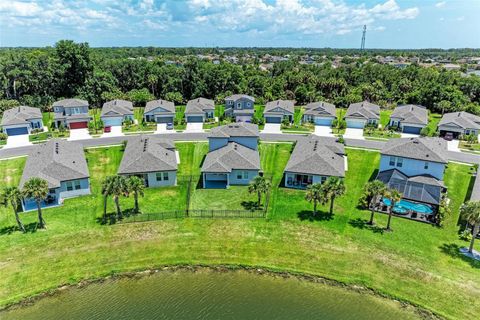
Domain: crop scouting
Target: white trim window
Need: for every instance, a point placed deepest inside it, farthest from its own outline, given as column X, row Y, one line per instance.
column 242, row 175
column 73, row 185
column 162, row 176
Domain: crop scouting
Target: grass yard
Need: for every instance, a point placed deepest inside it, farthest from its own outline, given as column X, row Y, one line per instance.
column 180, row 117
column 385, row 117
column 297, row 125
column 433, row 120
column 417, row 262
column 141, row 126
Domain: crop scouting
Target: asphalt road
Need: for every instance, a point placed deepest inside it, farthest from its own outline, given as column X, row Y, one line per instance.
column 367, row 144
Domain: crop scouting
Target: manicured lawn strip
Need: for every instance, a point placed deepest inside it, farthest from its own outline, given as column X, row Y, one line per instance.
column 416, row 262
column 385, row 117
column 47, row 118
column 11, row 171
column 141, row 126
column 469, row 146
column 433, row 120
column 219, row 110
column 180, row 117
column 40, row 136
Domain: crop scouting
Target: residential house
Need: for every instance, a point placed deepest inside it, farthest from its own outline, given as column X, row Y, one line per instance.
column 459, row 123
column 153, row 159
column 240, row 107
column 21, row 120
column 199, row 110
column 63, row 165
column 233, row 157
column 361, row 114
column 320, row 113
column 313, row 160
column 115, row 112
column 159, row 111
column 278, row 110
column 71, row 113
column 415, row 167
column 409, row 118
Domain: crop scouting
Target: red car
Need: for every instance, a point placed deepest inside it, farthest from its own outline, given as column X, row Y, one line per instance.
column 107, row 129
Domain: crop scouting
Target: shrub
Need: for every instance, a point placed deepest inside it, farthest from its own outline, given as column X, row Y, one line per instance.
column 3, row 136
column 425, row 132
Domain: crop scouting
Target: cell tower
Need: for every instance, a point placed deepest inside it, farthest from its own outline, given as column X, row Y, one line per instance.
column 362, row 46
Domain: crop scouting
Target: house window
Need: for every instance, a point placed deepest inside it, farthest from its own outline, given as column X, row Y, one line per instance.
column 425, row 166
column 77, row 185
column 249, row 104
column 165, row 176
column 161, row 176
column 239, row 105
column 467, row 132
column 75, row 110
column 392, row 161
column 399, row 162
column 242, row 175
column 323, row 179
column 69, row 185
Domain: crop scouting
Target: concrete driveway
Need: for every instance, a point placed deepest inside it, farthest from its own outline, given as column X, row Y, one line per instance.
column 17, row 141
column 353, row 133
column 272, row 128
column 194, row 127
column 79, row 134
column 162, row 128
column 453, row 145
column 409, row 135
column 115, row 131
column 323, row 131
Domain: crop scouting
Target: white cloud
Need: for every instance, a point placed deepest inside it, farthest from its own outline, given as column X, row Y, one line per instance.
column 440, row 4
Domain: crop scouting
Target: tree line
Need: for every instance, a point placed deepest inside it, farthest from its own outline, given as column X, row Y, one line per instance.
column 39, row 76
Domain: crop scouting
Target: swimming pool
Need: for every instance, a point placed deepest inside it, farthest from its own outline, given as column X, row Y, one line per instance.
column 403, row 206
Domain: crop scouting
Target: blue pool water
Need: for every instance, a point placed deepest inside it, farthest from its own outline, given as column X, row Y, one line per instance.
column 403, row 206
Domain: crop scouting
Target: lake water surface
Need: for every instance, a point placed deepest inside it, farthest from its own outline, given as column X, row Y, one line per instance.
column 208, row 294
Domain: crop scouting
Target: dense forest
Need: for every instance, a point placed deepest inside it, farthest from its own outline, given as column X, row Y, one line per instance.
column 39, row 76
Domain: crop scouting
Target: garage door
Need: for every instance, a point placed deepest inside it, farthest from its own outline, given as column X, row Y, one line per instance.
column 413, row 130
column 273, row 120
column 109, row 122
column 164, row 119
column 323, row 121
column 79, row 125
column 359, row 124
column 194, row 119
column 243, row 119
column 17, row 131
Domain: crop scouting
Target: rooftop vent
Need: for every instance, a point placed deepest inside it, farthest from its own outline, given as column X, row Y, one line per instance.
column 145, row 145
column 56, row 147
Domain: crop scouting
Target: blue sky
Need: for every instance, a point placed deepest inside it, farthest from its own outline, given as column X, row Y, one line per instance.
column 277, row 23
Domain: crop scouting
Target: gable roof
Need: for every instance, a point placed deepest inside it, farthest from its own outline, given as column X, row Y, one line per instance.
column 462, row 119
column 148, row 154
column 230, row 157
column 363, row 109
column 56, row 161
column 411, row 113
column 287, row 105
column 116, row 108
column 422, row 188
column 239, row 129
column 68, row 103
column 320, row 108
column 164, row 104
column 199, row 105
column 425, row 149
column 20, row 115
column 318, row 156
column 235, row 97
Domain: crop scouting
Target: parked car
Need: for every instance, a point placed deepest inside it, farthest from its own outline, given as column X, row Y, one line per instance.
column 169, row 126
column 448, row 136
column 107, row 129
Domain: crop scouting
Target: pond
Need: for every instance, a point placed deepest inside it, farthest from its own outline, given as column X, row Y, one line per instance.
column 208, row 294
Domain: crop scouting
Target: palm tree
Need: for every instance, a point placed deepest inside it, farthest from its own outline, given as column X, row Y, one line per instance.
column 315, row 193
column 394, row 196
column 106, row 192
column 259, row 185
column 470, row 211
column 118, row 187
column 36, row 189
column 333, row 187
column 373, row 190
column 136, row 185
column 13, row 196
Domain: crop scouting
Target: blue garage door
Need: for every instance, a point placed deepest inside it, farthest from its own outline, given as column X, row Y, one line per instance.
column 17, row 131
column 358, row 124
column 164, row 119
column 323, row 121
column 273, row 120
column 194, row 119
column 108, row 122
column 413, row 130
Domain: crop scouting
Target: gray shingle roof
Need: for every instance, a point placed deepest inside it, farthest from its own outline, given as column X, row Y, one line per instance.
column 148, row 154
column 320, row 108
column 239, row 129
column 117, row 108
column 20, row 115
column 286, row 105
column 475, row 196
column 199, row 105
column 56, row 161
column 422, row 188
column 235, row 97
column 230, row 157
column 411, row 113
column 164, row 104
column 425, row 149
column 318, row 156
column 363, row 109
column 71, row 103
column 462, row 119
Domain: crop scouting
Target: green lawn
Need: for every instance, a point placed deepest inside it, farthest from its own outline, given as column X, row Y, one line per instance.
column 385, row 117
column 180, row 117
column 297, row 125
column 141, row 126
column 417, row 262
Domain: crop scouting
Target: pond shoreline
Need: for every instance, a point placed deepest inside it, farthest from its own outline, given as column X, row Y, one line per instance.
column 419, row 310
